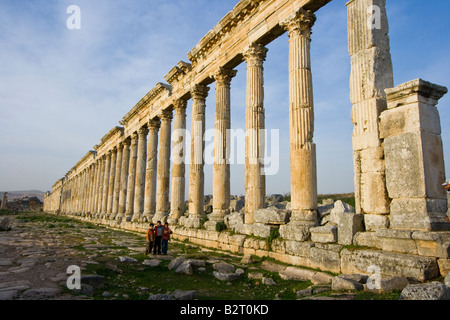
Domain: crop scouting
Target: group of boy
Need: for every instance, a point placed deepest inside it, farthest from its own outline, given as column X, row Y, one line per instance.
column 158, row 238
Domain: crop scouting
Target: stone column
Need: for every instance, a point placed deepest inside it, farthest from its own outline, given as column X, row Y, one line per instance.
column 94, row 189
column 132, row 176
column 116, row 193
column 106, row 183
column 301, row 119
column 221, row 167
column 163, row 178
column 177, row 202
column 4, row 200
column 255, row 182
column 371, row 74
column 91, row 188
column 112, row 178
column 124, row 179
column 150, row 176
column 140, row 174
column 100, row 186
column 196, row 173
column 414, row 157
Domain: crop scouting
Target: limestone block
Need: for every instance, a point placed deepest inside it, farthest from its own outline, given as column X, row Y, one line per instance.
column 339, row 209
column 391, row 264
column 342, row 283
column 373, row 222
column 236, row 205
column 372, row 160
column 293, row 273
column 418, row 214
column 279, row 246
column 414, row 166
column 444, row 267
column 397, row 241
column 296, row 248
column 388, row 284
column 426, row 291
column 374, row 198
column 233, row 220
column 296, row 232
column 434, row 244
column 367, row 239
column 349, row 224
column 262, row 230
column 325, row 259
column 415, row 117
column 272, row 215
column 326, row 234
column 246, row 229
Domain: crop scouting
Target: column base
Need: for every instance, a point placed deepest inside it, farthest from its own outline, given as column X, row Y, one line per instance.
column 305, row 217
column 147, row 217
column 194, row 222
column 296, row 231
column 160, row 216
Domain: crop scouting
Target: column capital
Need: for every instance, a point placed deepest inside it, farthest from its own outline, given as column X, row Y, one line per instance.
column 224, row 76
column 199, row 91
column 154, row 124
column 179, row 104
column 255, row 54
column 299, row 23
column 143, row 131
column 134, row 138
column 166, row 115
column 126, row 143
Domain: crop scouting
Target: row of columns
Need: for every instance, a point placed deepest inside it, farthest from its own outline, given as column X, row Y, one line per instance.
column 132, row 180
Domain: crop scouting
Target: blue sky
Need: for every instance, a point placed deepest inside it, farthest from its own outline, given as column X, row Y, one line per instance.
column 61, row 90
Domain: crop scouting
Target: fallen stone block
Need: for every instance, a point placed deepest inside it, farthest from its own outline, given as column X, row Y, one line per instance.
column 185, row 268
column 325, row 234
column 175, row 263
column 184, row 295
column 426, row 291
column 272, row 215
column 226, row 276
column 223, row 267
column 341, row 283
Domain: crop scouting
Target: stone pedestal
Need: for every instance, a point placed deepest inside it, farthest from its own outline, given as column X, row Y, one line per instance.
column 414, row 156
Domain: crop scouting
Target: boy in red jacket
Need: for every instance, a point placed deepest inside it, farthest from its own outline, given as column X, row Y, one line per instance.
column 165, row 238
column 150, row 239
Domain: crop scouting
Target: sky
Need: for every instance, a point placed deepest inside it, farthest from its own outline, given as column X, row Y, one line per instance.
column 62, row 90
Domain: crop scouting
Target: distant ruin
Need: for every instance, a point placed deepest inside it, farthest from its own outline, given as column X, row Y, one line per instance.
column 399, row 221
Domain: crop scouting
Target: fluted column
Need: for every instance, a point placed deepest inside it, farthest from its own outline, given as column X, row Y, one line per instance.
column 132, row 176
column 177, row 202
column 163, row 178
column 301, row 118
column 112, row 178
column 221, row 167
column 255, row 182
column 91, row 188
column 196, row 173
column 100, row 186
column 150, row 176
column 140, row 174
column 116, row 193
column 124, row 179
column 93, row 207
column 106, row 183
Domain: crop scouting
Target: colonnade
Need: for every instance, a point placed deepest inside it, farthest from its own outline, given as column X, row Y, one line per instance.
column 132, row 179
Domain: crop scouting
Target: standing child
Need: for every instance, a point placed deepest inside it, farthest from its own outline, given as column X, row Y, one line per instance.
column 150, row 239
column 166, row 238
column 159, row 231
